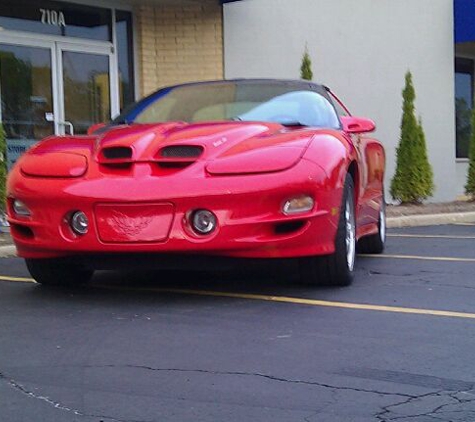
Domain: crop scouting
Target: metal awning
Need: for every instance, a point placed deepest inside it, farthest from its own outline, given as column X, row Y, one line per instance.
column 464, row 20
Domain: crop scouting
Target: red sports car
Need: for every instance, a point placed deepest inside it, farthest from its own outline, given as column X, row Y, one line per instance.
column 237, row 169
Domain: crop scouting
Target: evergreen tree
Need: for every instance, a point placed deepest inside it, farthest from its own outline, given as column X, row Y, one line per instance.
column 3, row 169
column 470, row 186
column 306, row 66
column 413, row 180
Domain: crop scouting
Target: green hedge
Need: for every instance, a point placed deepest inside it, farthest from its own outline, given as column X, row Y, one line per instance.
column 3, row 169
column 413, row 180
column 306, row 66
column 470, row 186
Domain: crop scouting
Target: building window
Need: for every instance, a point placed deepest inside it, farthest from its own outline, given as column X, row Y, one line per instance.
column 463, row 104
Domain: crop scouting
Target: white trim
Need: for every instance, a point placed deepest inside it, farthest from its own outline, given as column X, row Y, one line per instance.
column 136, row 58
column 86, row 49
column 33, row 37
column 114, row 71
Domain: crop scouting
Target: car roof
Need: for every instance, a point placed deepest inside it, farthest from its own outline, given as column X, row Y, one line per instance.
column 304, row 84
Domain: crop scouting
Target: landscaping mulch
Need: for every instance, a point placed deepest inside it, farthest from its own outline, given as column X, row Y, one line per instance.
column 430, row 208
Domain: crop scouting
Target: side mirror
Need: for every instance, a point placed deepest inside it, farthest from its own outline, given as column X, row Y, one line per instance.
column 357, row 124
column 94, row 128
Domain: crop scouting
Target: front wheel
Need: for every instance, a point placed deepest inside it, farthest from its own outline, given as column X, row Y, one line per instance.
column 336, row 269
column 57, row 272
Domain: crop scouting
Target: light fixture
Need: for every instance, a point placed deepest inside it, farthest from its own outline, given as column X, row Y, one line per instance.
column 203, row 221
column 298, row 205
column 19, row 208
column 79, row 222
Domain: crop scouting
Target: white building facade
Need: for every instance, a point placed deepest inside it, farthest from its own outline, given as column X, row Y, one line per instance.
column 66, row 64
column 362, row 50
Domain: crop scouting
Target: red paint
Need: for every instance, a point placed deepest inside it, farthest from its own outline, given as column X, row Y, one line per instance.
column 244, row 174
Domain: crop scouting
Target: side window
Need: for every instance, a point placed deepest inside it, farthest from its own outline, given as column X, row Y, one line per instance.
column 339, row 107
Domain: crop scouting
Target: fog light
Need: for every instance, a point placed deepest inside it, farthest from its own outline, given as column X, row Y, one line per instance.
column 298, row 205
column 203, row 221
column 79, row 222
column 19, row 208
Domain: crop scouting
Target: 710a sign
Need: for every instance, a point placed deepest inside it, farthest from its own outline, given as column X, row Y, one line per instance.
column 52, row 17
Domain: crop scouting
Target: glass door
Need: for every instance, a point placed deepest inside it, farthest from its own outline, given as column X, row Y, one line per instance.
column 26, row 95
column 85, row 81
column 53, row 87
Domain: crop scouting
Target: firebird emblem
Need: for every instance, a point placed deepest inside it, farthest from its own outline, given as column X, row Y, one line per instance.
column 126, row 225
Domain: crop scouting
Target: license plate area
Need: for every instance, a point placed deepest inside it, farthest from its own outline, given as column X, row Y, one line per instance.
column 134, row 223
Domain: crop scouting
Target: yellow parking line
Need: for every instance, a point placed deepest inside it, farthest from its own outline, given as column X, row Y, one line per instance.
column 421, row 258
column 281, row 299
column 301, row 301
column 20, row 279
column 429, row 236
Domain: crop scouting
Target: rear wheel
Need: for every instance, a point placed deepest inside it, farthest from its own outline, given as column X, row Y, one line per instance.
column 57, row 272
column 374, row 244
column 336, row 269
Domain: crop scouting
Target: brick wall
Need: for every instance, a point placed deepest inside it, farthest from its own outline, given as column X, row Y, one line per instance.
column 179, row 43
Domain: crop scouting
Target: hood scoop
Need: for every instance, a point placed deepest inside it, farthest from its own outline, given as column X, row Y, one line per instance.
column 170, row 156
column 178, row 156
column 117, row 153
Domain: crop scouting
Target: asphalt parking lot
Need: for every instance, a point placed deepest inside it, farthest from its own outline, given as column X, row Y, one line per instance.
column 249, row 345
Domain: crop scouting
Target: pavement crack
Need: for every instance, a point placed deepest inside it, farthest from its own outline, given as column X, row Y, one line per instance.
column 57, row 405
column 260, row 375
column 388, row 413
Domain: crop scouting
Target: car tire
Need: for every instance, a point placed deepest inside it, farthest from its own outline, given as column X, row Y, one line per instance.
column 375, row 243
column 336, row 269
column 55, row 272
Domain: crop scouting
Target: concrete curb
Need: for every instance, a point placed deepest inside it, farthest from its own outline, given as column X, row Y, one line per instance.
column 430, row 219
column 7, row 251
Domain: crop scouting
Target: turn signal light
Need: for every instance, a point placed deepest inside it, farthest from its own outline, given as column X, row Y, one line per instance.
column 19, row 208
column 297, row 205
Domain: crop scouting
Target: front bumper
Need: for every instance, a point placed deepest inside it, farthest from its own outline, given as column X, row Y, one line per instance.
column 250, row 221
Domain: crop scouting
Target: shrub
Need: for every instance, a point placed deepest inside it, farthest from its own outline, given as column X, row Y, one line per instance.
column 306, row 66
column 413, row 180
column 3, row 169
column 470, row 186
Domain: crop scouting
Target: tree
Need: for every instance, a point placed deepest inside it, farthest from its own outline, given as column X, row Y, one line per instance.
column 306, row 66
column 470, row 186
column 3, row 170
column 413, row 180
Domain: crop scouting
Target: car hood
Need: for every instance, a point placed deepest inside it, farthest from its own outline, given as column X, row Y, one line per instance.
column 221, row 147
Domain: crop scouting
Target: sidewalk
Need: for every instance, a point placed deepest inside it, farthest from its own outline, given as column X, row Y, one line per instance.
column 397, row 216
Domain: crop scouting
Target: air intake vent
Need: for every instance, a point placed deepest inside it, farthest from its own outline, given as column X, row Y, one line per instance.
column 117, row 153
column 181, row 151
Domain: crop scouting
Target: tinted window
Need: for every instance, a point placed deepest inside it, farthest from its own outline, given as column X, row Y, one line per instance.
column 270, row 102
column 463, row 104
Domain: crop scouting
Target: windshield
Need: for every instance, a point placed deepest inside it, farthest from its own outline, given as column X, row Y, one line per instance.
column 282, row 103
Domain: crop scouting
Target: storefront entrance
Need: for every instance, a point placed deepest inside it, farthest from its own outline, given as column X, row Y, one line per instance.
column 63, row 67
column 53, row 87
